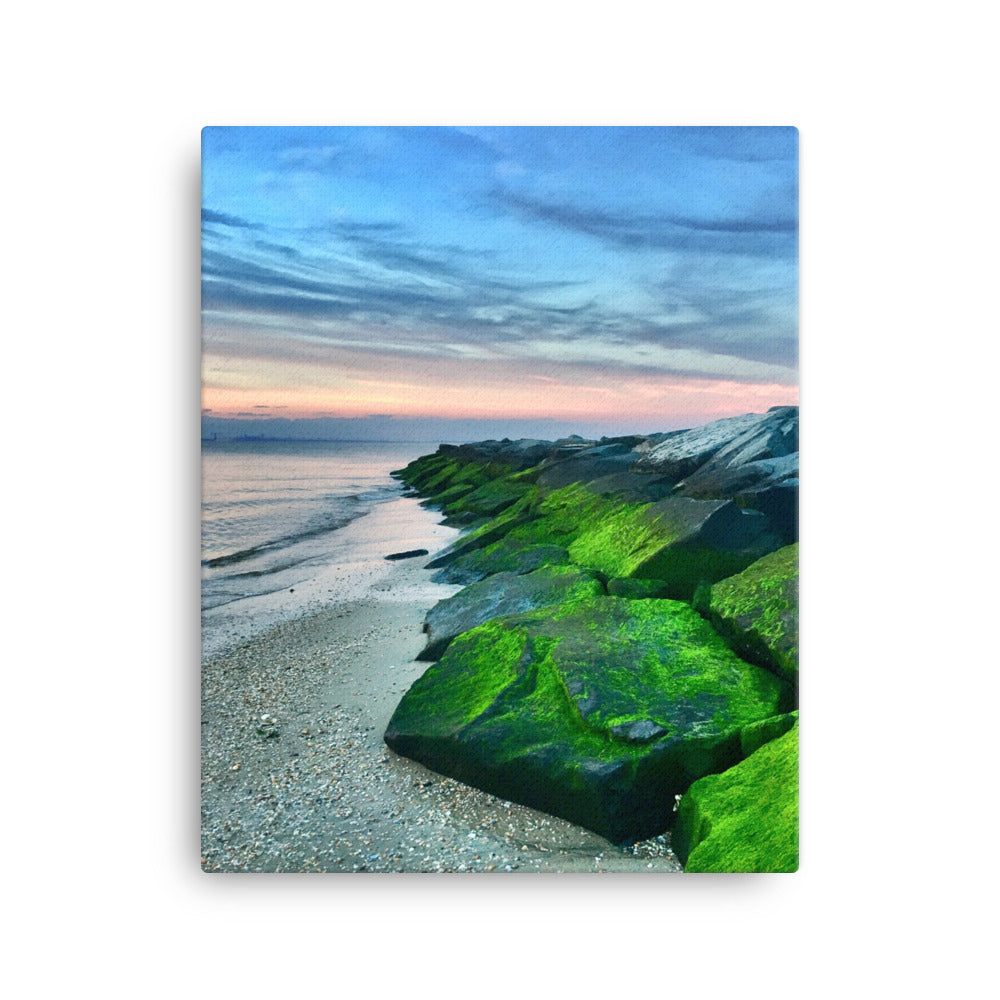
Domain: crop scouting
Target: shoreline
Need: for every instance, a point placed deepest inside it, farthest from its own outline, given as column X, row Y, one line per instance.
column 354, row 568
column 312, row 787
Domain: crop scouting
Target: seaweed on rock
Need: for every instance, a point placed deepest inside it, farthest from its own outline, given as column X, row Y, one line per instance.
column 747, row 818
column 599, row 710
column 613, row 696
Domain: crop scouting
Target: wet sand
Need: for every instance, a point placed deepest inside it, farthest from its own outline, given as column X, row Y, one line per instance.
column 296, row 778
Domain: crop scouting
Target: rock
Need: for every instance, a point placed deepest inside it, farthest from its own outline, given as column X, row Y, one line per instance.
column 505, row 555
column 758, row 469
column 757, row 611
column 487, row 500
column 600, row 710
column 488, row 533
column 754, row 736
column 752, row 459
column 410, row 554
column 636, row 589
column 747, row 818
column 503, row 594
column 629, row 485
column 679, row 541
column 682, row 541
column 683, row 453
column 587, row 464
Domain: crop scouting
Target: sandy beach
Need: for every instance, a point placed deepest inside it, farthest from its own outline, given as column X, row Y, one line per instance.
column 295, row 776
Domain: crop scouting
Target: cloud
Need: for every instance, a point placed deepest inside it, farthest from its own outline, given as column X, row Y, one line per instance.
column 312, row 158
column 284, row 251
column 744, row 144
column 769, row 235
column 389, row 279
column 221, row 219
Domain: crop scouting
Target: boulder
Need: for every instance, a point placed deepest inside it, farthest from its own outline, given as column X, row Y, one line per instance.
column 487, row 500
column 599, row 711
column 754, row 736
column 680, row 541
column 503, row 594
column 682, row 453
column 752, row 459
column 758, row 469
column 747, row 818
column 587, row 464
column 503, row 556
column 757, row 611
column 627, row 586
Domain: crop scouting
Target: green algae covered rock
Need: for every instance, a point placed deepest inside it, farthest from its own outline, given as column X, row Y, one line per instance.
column 754, row 736
column 599, row 710
column 681, row 541
column 446, row 479
column 503, row 594
column 503, row 556
column 489, row 499
column 757, row 611
column 626, row 586
column 747, row 818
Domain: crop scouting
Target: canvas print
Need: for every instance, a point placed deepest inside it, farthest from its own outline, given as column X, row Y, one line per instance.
column 500, row 500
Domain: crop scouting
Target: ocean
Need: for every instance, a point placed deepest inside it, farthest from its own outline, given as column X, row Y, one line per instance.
column 288, row 526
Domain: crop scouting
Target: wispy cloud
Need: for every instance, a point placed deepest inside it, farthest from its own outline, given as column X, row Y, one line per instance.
column 376, row 255
column 763, row 235
column 222, row 219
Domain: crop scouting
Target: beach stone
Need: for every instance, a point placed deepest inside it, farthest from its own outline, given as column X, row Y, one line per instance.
column 757, row 611
column 745, row 819
column 599, row 711
column 503, row 594
column 411, row 554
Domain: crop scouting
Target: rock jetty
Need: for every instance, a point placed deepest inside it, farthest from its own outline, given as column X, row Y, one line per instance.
column 627, row 635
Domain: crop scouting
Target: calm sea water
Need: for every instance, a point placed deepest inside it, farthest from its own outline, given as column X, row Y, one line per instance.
column 271, row 510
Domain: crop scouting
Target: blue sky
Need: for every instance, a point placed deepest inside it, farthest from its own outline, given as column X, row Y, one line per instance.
column 622, row 278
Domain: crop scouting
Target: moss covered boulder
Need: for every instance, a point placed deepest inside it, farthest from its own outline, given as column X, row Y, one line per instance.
column 680, row 541
column 503, row 594
column 503, row 556
column 599, row 710
column 487, row 500
column 757, row 611
column 747, row 818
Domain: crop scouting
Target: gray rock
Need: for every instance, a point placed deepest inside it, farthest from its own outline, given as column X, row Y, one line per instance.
column 503, row 594
column 705, row 541
column 762, row 457
column 587, row 464
column 683, row 453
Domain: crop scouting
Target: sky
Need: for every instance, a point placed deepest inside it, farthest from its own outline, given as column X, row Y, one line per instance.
column 525, row 280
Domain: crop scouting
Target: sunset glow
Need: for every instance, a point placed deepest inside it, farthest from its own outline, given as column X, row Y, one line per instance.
column 638, row 279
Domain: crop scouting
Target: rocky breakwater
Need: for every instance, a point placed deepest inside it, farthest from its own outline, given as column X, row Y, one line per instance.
column 627, row 629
